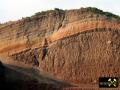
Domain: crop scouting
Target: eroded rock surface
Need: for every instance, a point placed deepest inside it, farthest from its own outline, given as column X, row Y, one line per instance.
column 78, row 46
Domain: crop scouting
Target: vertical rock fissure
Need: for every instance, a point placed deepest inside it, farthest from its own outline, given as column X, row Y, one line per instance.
column 35, row 58
column 44, row 48
column 62, row 21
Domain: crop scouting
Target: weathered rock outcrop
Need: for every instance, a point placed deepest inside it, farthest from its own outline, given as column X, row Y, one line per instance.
column 78, row 46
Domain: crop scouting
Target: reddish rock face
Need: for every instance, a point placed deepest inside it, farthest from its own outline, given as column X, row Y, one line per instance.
column 77, row 46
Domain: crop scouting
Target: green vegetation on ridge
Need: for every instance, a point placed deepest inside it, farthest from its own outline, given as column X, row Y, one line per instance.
column 88, row 9
column 98, row 11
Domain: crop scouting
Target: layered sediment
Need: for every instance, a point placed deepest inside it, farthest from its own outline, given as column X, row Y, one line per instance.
column 77, row 46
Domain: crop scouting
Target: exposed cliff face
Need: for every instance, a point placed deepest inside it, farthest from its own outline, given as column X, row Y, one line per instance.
column 29, row 32
column 78, row 46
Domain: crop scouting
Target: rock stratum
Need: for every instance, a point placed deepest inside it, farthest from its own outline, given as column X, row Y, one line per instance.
column 77, row 46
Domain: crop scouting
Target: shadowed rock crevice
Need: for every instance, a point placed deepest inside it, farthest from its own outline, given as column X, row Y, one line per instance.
column 44, row 52
column 44, row 48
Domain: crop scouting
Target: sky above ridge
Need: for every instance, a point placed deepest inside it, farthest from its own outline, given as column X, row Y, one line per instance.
column 16, row 9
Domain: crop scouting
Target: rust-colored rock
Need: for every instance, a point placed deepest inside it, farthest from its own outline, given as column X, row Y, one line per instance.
column 77, row 46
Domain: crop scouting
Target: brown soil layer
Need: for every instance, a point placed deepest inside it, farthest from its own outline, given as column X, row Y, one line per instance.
column 76, row 46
